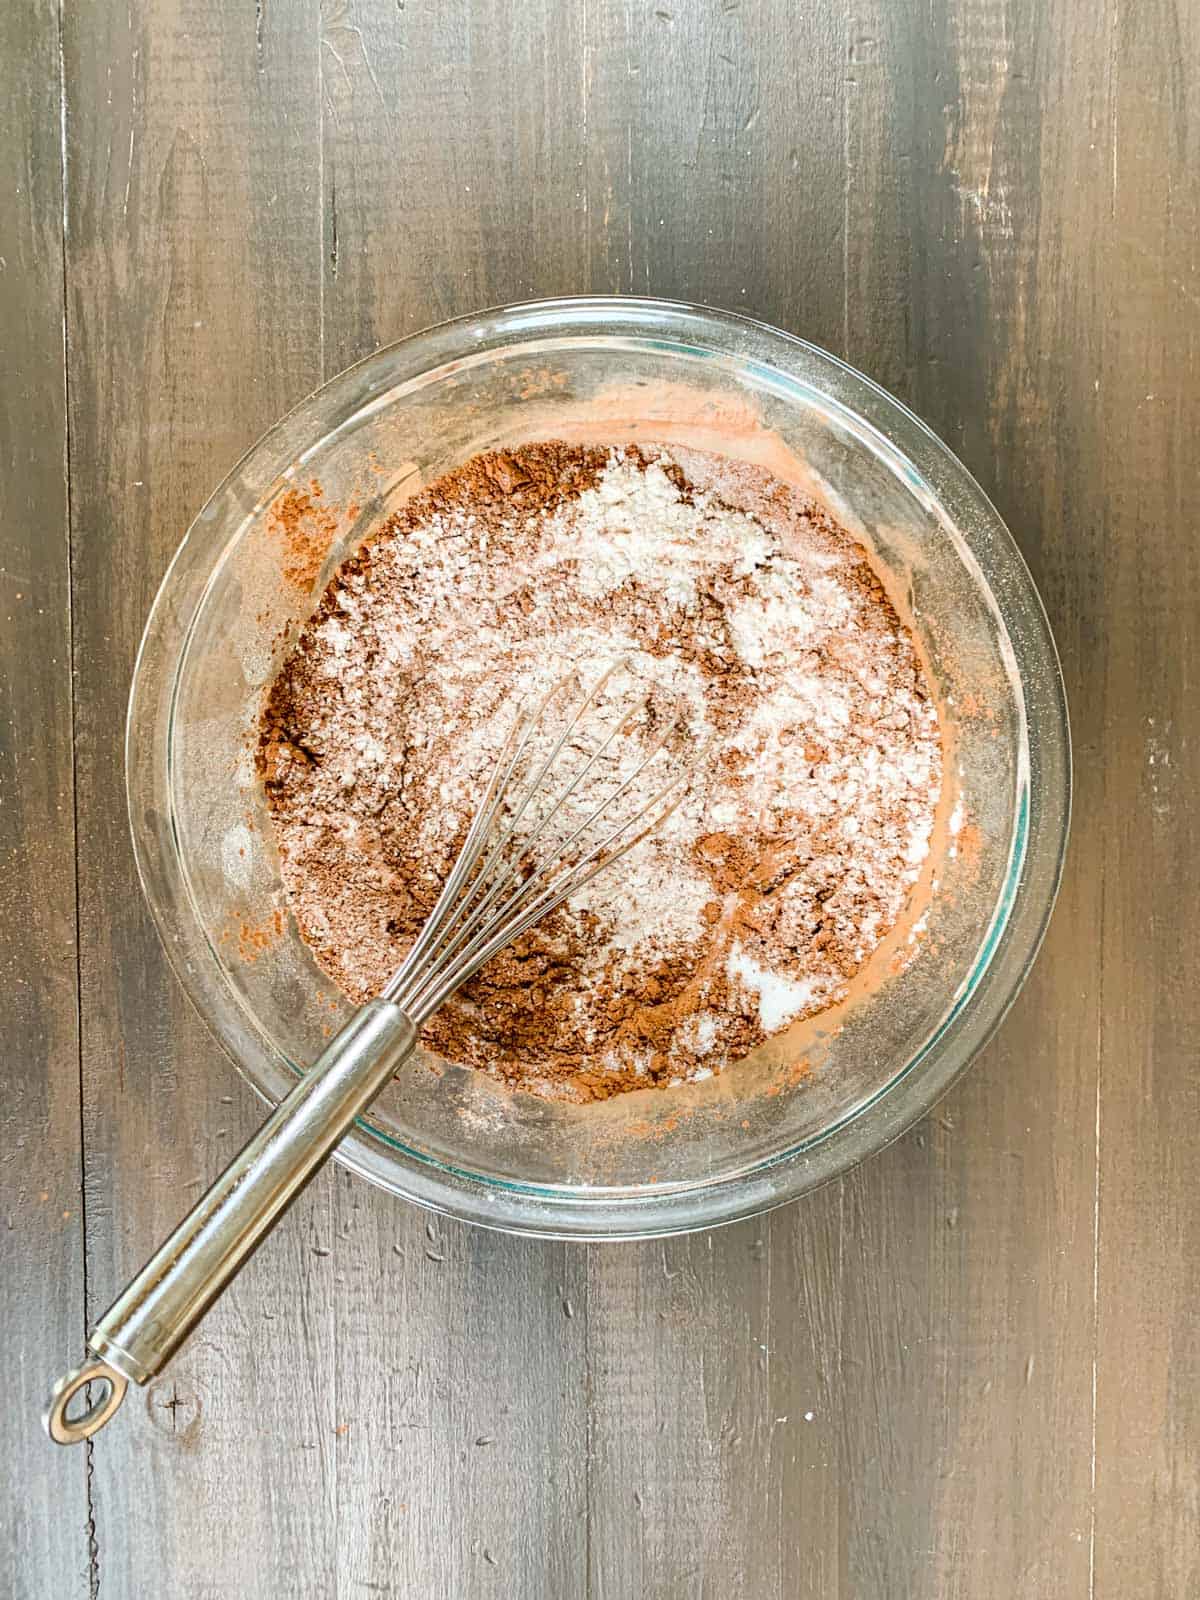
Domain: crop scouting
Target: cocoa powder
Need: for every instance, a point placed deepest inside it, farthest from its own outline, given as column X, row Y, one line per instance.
column 306, row 527
column 768, row 889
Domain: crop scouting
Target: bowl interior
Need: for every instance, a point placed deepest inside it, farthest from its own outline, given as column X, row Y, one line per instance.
column 259, row 556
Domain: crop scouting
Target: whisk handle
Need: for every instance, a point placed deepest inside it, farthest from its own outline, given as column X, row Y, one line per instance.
column 142, row 1329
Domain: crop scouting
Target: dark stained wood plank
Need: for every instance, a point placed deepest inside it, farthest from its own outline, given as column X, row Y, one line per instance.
column 461, row 1406
column 715, row 160
column 968, row 1319
column 454, row 157
column 714, row 1374
column 43, row 1492
column 453, row 179
column 1144, row 281
column 193, row 322
column 714, row 157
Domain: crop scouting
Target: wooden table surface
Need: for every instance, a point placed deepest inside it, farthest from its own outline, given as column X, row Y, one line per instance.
column 969, row 1369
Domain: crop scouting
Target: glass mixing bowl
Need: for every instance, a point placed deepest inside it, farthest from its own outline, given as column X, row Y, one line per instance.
column 812, row 1101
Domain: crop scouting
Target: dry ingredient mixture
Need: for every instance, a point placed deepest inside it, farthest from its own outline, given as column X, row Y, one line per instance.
column 767, row 889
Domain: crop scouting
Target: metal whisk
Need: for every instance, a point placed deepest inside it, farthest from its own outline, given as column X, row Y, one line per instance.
column 571, row 792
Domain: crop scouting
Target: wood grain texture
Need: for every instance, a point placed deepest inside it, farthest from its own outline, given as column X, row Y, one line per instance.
column 454, row 157
column 969, row 1317
column 453, row 178
column 193, row 318
column 44, row 1547
column 1145, row 233
column 967, row 1371
column 716, row 138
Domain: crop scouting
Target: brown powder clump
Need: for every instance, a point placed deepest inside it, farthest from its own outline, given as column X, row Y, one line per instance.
column 767, row 890
column 307, row 528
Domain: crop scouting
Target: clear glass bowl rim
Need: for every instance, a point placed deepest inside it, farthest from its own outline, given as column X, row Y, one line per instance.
column 1036, row 873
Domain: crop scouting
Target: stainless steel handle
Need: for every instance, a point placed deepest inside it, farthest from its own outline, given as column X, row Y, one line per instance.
column 142, row 1329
